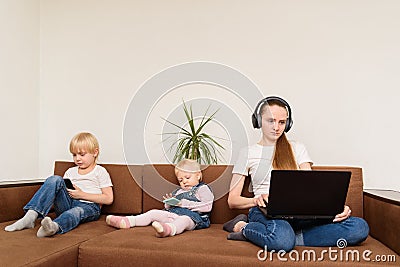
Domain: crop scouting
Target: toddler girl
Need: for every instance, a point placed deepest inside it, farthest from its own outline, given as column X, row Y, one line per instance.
column 191, row 212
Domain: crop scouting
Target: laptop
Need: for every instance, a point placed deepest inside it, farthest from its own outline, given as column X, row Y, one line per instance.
column 307, row 194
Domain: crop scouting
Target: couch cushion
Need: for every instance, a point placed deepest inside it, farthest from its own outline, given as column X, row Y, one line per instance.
column 126, row 181
column 207, row 247
column 127, row 189
column 24, row 248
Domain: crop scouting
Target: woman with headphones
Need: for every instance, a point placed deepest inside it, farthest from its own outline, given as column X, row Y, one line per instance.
column 274, row 151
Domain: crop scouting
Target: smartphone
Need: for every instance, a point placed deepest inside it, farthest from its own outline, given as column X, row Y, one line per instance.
column 171, row 201
column 68, row 184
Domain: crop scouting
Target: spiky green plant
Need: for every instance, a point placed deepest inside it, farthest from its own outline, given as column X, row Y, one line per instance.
column 192, row 143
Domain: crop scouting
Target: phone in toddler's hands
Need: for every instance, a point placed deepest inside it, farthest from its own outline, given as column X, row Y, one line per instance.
column 68, row 184
column 171, row 201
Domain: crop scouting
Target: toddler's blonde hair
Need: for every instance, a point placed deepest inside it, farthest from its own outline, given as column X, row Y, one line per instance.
column 188, row 165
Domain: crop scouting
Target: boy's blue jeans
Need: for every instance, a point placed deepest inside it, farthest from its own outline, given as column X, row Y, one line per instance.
column 70, row 212
column 280, row 234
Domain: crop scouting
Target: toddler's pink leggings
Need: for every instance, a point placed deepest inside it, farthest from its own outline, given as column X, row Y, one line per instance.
column 181, row 222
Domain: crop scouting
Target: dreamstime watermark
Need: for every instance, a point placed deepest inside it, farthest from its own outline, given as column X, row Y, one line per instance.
column 331, row 254
column 152, row 94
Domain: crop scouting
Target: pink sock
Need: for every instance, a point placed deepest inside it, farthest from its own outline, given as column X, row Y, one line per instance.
column 162, row 229
column 121, row 222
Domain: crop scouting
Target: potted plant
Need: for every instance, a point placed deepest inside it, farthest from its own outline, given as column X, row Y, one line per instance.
column 194, row 143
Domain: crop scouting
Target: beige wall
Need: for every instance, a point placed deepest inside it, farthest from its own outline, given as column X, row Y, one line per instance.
column 334, row 61
column 19, row 89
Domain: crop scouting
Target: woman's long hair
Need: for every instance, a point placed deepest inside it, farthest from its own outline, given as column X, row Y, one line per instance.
column 283, row 155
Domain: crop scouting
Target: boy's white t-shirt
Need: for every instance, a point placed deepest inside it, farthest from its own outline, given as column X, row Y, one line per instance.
column 256, row 161
column 91, row 182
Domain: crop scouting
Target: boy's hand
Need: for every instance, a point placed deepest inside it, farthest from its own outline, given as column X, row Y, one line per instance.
column 76, row 193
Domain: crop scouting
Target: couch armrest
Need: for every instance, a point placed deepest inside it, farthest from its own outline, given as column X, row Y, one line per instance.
column 13, row 198
column 382, row 212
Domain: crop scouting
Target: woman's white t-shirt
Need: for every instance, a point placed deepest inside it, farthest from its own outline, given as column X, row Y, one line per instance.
column 256, row 161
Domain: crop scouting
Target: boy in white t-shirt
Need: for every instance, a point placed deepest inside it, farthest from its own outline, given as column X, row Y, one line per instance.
column 92, row 188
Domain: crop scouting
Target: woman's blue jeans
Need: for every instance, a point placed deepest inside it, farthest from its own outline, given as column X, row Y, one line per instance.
column 284, row 235
column 70, row 212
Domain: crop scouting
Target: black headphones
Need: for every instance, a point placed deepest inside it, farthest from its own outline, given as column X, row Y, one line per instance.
column 256, row 117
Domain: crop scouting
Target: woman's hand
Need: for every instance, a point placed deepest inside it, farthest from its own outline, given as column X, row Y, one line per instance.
column 259, row 201
column 344, row 215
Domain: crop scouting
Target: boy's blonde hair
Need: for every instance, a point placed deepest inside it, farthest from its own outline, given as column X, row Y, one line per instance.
column 86, row 142
column 188, row 165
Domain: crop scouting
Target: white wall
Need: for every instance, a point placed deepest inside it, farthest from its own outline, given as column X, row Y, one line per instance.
column 336, row 63
column 19, row 89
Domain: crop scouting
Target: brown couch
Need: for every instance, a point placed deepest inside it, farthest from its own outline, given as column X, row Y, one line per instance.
column 96, row 244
